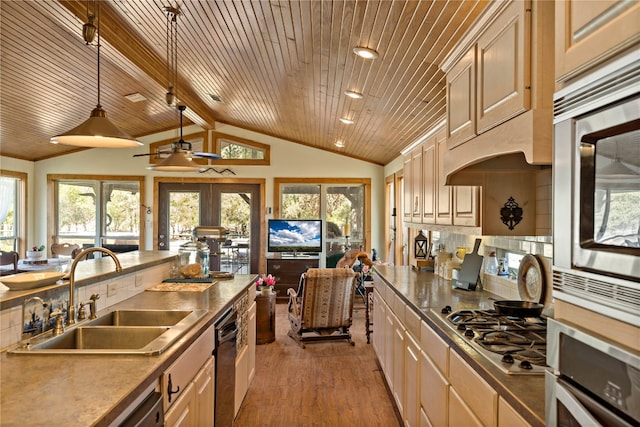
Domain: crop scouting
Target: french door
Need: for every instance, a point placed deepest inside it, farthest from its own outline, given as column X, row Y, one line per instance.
column 183, row 206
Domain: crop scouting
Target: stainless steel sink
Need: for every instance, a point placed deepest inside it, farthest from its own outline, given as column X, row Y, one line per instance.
column 141, row 318
column 135, row 332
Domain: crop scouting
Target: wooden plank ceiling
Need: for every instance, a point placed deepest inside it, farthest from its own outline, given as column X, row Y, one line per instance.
column 279, row 67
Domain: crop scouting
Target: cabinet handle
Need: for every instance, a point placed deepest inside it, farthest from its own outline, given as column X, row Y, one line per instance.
column 169, row 387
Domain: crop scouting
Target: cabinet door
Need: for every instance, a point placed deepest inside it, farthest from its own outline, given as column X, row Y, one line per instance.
column 509, row 417
column 443, row 202
column 251, row 337
column 416, row 184
column 461, row 100
column 388, row 347
column 379, row 315
column 407, row 196
column 434, row 392
column 459, row 413
column 183, row 411
column 465, row 206
column 242, row 372
column 504, row 68
column 588, row 32
column 398, row 362
column 477, row 394
column 204, row 383
column 411, row 382
column 429, row 181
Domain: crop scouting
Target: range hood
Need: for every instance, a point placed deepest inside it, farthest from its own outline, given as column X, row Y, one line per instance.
column 521, row 144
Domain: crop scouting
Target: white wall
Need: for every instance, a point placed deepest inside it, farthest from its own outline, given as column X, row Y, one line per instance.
column 287, row 160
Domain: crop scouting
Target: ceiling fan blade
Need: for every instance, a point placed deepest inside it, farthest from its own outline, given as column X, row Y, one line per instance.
column 145, row 154
column 205, row 155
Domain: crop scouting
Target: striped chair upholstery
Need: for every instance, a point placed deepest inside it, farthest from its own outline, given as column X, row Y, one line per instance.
column 322, row 308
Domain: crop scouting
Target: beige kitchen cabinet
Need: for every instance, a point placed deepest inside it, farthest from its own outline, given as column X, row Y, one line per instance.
column 416, row 184
column 183, row 412
column 242, row 373
column 398, row 344
column 388, row 348
column 407, row 193
column 468, row 387
column 461, row 99
column 246, row 347
column 465, row 206
column 444, row 206
column 204, row 387
column 434, row 385
column 509, row 417
column 459, row 412
column 589, row 32
column 251, row 337
column 429, row 181
column 379, row 320
column 411, row 382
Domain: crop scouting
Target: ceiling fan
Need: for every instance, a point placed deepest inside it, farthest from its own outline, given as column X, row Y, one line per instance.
column 180, row 155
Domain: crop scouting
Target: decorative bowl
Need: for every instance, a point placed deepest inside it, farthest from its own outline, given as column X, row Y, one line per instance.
column 22, row 281
column 35, row 254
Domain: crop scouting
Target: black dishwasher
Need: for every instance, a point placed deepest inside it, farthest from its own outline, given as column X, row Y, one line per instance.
column 225, row 360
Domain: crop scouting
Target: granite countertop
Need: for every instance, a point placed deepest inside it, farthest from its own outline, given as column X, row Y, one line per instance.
column 92, row 390
column 427, row 294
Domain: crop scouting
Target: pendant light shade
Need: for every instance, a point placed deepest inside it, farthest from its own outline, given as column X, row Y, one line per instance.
column 176, row 162
column 97, row 131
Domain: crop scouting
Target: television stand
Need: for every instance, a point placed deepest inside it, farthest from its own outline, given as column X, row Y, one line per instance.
column 287, row 271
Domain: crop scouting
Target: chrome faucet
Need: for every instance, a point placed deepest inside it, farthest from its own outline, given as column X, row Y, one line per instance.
column 24, row 306
column 71, row 313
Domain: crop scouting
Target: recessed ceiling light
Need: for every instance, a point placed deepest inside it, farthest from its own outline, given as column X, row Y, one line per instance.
column 346, row 120
column 353, row 94
column 135, row 97
column 216, row 98
column 339, row 144
column 365, row 52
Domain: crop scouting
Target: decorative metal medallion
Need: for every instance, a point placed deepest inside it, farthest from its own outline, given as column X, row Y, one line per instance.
column 511, row 213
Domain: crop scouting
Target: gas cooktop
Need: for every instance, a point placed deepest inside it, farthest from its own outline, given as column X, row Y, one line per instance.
column 515, row 345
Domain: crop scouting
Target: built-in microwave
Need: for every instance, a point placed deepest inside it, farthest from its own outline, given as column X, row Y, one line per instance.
column 596, row 190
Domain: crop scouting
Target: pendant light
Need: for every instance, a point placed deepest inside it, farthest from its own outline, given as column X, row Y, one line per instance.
column 97, row 131
column 172, row 55
column 178, row 160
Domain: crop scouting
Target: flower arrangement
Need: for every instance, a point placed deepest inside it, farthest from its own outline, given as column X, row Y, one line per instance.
column 36, row 252
column 37, row 248
column 267, row 280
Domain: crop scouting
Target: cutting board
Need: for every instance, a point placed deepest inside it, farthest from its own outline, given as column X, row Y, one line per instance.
column 470, row 270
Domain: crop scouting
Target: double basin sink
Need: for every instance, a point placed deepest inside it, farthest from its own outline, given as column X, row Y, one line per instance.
column 143, row 332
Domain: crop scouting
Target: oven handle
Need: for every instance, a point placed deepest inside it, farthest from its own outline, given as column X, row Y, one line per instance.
column 573, row 405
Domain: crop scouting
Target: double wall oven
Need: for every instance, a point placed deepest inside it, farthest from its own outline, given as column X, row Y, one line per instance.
column 597, row 191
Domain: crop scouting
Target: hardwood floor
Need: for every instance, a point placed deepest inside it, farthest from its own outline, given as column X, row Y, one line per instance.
column 325, row 384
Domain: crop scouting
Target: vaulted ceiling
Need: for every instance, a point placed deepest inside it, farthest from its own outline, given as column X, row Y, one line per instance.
column 276, row 67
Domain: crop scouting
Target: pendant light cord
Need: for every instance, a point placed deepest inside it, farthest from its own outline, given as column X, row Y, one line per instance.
column 98, row 17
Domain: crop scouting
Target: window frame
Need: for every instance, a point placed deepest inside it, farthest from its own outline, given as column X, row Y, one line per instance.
column 20, row 238
column 278, row 182
column 217, row 136
column 155, row 157
column 52, row 225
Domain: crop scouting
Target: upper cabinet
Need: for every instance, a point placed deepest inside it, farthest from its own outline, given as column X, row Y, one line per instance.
column 590, row 32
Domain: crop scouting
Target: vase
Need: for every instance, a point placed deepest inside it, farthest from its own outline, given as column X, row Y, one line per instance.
column 35, row 255
column 266, row 290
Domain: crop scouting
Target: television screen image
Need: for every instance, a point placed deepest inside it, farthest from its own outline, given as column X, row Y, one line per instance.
column 295, row 235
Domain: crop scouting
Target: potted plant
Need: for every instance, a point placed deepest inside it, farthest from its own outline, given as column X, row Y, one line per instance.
column 266, row 283
column 36, row 252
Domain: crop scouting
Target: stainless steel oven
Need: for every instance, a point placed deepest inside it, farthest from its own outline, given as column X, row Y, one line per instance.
column 596, row 190
column 591, row 381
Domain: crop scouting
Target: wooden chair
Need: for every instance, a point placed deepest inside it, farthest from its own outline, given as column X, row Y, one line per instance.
column 322, row 308
column 64, row 249
column 9, row 258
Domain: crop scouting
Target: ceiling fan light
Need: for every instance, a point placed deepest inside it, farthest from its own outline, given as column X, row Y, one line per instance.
column 96, row 132
column 365, row 52
column 176, row 162
column 339, row 144
column 346, row 120
column 353, row 94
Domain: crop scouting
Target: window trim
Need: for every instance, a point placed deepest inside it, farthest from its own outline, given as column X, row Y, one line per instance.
column 277, row 183
column 153, row 159
column 22, row 206
column 52, row 196
column 215, row 138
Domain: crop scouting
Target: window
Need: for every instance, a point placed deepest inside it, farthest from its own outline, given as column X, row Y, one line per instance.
column 12, row 210
column 161, row 150
column 239, row 151
column 344, row 205
column 99, row 212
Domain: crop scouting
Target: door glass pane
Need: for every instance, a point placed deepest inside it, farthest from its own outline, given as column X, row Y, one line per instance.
column 121, row 204
column 300, row 202
column 8, row 212
column 235, row 216
column 76, row 212
column 345, row 217
column 184, row 216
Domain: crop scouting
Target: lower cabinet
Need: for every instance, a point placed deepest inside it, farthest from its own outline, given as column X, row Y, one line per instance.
column 246, row 358
column 195, row 405
column 459, row 413
column 183, row 411
column 509, row 417
column 434, row 393
column 411, row 382
column 479, row 396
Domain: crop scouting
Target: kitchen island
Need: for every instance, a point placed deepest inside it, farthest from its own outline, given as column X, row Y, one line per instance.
column 414, row 299
column 90, row 390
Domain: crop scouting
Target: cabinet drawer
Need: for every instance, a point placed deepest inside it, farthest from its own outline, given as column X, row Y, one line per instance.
column 184, row 369
column 435, row 347
column 398, row 307
column 474, row 391
column 412, row 322
column 434, row 389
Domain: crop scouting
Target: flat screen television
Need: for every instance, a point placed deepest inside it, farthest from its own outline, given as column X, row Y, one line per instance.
column 295, row 235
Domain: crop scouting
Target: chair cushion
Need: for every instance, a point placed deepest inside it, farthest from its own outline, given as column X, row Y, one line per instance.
column 328, row 297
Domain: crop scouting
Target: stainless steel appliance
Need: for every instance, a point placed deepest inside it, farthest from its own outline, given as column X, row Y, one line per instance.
column 148, row 414
column 225, row 367
column 516, row 345
column 596, row 190
column 591, row 381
